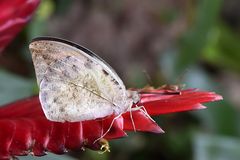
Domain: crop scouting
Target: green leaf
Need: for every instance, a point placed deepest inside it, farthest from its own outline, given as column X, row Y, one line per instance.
column 13, row 87
column 223, row 48
column 194, row 41
column 38, row 24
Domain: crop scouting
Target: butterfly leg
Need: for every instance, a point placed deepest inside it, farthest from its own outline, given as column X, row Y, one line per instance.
column 114, row 119
column 131, row 116
column 143, row 109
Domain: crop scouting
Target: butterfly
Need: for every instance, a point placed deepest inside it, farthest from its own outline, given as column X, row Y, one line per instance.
column 75, row 84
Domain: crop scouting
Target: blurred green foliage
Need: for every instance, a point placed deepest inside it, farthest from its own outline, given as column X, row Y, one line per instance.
column 223, row 48
column 212, row 147
column 194, row 41
column 14, row 87
column 38, row 24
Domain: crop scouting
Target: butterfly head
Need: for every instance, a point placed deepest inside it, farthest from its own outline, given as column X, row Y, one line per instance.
column 134, row 96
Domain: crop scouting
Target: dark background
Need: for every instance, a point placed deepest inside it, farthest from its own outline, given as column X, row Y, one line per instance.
column 148, row 42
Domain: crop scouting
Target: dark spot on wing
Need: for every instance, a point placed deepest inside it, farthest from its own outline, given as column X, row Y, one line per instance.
column 105, row 72
column 74, row 68
column 50, row 69
column 55, row 99
column 45, row 56
column 88, row 64
column 74, row 95
column 68, row 57
column 66, row 73
column 115, row 81
column 62, row 109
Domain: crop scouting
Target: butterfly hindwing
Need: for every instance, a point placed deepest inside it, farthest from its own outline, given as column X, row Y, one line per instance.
column 75, row 85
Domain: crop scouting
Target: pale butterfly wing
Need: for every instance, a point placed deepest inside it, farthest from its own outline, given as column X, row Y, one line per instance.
column 75, row 84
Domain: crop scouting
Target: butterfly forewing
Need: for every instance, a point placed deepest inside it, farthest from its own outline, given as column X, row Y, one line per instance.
column 74, row 83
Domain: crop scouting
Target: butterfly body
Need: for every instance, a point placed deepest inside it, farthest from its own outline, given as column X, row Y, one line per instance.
column 75, row 84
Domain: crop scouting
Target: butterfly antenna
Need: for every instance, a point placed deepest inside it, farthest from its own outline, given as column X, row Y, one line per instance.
column 179, row 79
column 149, row 80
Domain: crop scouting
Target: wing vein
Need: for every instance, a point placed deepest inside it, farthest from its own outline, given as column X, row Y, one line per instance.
column 93, row 93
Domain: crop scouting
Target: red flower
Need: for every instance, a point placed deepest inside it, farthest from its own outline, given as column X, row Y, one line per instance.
column 25, row 130
column 13, row 16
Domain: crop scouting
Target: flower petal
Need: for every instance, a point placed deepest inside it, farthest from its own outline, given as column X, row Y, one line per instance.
column 25, row 127
column 13, row 16
column 141, row 121
column 164, row 103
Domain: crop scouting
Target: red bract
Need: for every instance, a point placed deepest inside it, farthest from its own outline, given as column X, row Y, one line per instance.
column 14, row 15
column 25, row 130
